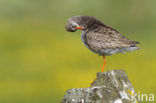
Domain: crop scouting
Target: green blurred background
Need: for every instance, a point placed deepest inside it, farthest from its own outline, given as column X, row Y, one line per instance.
column 40, row 60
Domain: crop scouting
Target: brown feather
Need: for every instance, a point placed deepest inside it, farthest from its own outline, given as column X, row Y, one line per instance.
column 104, row 37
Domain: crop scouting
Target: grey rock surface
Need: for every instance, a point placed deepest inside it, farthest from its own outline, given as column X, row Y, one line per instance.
column 109, row 87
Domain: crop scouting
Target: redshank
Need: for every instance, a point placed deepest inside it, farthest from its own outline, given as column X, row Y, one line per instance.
column 100, row 38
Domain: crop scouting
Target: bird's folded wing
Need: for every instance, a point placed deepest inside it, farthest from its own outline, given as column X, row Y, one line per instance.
column 107, row 38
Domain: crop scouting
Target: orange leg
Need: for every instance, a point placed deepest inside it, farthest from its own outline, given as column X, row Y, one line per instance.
column 102, row 70
column 104, row 63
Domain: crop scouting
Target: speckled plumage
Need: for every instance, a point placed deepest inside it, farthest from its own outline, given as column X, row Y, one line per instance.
column 100, row 38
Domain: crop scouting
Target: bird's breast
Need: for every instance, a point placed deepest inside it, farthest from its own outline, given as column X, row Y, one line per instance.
column 83, row 35
column 83, row 38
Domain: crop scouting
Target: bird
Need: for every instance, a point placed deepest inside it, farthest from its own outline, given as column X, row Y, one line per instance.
column 100, row 38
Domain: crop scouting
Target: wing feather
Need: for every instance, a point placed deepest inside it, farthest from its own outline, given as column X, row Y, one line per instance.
column 104, row 37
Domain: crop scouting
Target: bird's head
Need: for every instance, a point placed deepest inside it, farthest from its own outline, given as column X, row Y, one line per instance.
column 72, row 26
column 82, row 23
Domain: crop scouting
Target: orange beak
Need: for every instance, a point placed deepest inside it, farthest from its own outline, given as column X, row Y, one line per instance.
column 78, row 27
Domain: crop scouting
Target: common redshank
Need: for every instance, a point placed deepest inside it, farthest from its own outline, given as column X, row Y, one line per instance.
column 100, row 38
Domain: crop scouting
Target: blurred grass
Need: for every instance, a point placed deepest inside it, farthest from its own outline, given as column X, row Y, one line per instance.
column 39, row 60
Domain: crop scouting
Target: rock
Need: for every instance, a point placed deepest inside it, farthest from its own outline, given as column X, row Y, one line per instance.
column 109, row 87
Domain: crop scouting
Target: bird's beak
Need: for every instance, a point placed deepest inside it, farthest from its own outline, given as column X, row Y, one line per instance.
column 79, row 27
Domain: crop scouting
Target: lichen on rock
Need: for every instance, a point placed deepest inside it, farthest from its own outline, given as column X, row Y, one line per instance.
column 109, row 87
